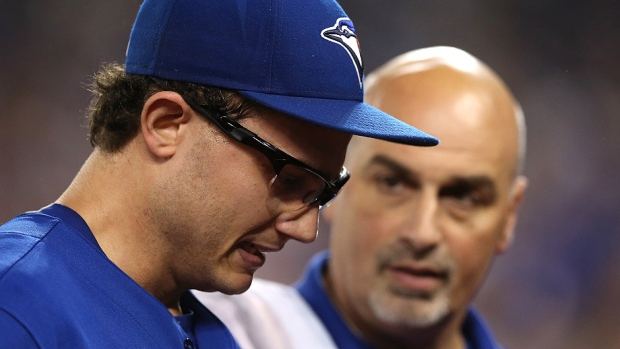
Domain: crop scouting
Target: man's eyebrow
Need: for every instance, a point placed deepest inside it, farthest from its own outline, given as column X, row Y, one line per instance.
column 394, row 165
column 473, row 181
column 460, row 185
column 476, row 181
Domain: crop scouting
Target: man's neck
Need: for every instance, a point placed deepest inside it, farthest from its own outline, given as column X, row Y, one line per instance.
column 109, row 197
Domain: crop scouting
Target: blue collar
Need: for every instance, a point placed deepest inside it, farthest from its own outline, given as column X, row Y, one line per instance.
column 311, row 289
column 477, row 333
column 72, row 219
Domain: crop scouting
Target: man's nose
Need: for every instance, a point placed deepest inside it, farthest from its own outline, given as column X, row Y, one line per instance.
column 421, row 229
column 301, row 225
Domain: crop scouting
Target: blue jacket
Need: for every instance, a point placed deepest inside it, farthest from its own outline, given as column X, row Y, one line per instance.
column 59, row 290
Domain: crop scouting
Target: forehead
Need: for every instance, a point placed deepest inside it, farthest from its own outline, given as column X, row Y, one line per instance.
column 472, row 117
column 439, row 163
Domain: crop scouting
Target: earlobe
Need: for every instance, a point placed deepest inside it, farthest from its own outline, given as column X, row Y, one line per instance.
column 509, row 229
column 164, row 117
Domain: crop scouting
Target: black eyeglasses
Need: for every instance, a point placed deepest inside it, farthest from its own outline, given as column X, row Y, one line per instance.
column 295, row 183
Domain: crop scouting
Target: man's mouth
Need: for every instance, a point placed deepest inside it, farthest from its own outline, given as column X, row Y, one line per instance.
column 417, row 278
column 250, row 248
column 251, row 254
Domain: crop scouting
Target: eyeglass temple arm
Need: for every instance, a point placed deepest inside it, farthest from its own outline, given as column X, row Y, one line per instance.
column 342, row 178
column 239, row 134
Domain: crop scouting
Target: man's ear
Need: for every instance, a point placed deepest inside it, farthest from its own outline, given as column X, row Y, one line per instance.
column 164, row 119
column 509, row 230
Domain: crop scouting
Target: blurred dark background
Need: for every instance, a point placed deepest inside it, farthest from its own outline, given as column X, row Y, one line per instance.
column 556, row 288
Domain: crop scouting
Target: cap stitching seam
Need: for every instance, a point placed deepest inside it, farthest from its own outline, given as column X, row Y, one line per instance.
column 274, row 39
column 164, row 25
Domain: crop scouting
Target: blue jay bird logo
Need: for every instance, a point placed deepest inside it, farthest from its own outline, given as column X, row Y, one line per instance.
column 343, row 33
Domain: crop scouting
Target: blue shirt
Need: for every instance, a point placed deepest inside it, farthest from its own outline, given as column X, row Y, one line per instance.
column 59, row 290
column 476, row 333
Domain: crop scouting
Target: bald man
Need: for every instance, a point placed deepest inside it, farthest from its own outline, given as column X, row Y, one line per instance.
column 415, row 231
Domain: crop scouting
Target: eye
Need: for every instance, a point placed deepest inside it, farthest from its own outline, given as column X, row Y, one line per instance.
column 391, row 184
column 389, row 181
column 464, row 198
column 289, row 183
column 463, row 202
column 296, row 183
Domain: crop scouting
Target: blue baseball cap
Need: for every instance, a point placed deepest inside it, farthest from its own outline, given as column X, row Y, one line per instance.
column 299, row 57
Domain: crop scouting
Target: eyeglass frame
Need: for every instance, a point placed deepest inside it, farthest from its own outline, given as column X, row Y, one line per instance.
column 277, row 157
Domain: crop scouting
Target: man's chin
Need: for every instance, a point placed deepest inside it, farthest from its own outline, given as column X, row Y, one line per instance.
column 412, row 312
column 237, row 284
column 233, row 284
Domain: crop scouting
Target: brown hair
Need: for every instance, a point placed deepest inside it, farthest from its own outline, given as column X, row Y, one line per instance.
column 118, row 98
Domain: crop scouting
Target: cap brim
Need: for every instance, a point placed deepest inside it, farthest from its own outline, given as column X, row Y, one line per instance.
column 347, row 116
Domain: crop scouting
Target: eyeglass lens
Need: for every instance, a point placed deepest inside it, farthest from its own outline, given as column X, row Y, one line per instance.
column 295, row 185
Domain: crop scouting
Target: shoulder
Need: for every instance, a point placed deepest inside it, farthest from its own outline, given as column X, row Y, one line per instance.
column 19, row 236
column 33, row 280
column 259, row 299
column 250, row 316
column 268, row 315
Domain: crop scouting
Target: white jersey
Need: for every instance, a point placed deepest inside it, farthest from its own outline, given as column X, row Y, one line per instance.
column 269, row 316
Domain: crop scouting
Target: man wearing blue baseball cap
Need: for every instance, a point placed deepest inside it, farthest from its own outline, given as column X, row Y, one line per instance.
column 219, row 140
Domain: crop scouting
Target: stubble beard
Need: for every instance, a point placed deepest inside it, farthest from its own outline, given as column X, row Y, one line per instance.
column 416, row 311
column 409, row 308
